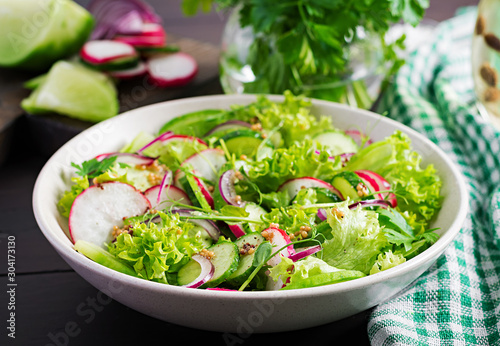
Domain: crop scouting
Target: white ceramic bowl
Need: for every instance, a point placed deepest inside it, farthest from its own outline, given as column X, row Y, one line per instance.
column 240, row 312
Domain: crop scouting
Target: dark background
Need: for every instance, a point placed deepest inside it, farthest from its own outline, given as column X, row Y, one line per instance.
column 51, row 298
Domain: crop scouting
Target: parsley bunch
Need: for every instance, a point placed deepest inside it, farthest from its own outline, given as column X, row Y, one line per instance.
column 300, row 45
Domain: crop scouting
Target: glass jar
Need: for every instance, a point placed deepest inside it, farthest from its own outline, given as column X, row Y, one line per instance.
column 486, row 59
column 358, row 86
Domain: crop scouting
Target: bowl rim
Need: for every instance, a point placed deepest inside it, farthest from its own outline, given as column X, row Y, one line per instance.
column 66, row 250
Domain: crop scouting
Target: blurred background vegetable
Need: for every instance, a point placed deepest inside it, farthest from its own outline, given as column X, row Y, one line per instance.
column 35, row 34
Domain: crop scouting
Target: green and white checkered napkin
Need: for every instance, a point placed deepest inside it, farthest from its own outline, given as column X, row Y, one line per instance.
column 457, row 301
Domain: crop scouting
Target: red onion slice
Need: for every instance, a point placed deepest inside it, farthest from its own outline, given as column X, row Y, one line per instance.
column 371, row 203
column 130, row 159
column 160, row 138
column 304, row 253
column 207, row 272
column 322, row 214
column 227, row 190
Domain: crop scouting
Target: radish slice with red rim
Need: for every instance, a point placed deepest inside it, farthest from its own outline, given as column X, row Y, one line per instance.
column 99, row 208
column 130, row 159
column 168, row 193
column 278, row 238
column 104, row 51
column 304, row 253
column 134, row 72
column 169, row 70
column 141, row 40
column 227, row 189
column 207, row 272
column 379, row 184
column 371, row 203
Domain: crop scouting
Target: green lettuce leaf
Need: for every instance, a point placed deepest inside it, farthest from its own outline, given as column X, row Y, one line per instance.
column 310, row 272
column 154, row 249
column 67, row 199
column 386, row 261
column 300, row 160
column 417, row 188
column 357, row 238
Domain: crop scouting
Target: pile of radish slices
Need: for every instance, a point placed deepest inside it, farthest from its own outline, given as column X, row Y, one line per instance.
column 129, row 41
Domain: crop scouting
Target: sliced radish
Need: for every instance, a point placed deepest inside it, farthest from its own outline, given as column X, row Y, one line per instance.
column 169, row 193
column 279, row 238
column 227, row 189
column 359, row 137
column 141, row 40
column 129, row 159
column 207, row 271
column 153, row 29
column 169, row 70
column 99, row 208
column 207, row 163
column 231, row 124
column 152, row 195
column 134, row 72
column 104, row 51
column 379, row 184
column 207, row 225
column 293, row 186
column 304, row 253
column 160, row 138
column 237, row 230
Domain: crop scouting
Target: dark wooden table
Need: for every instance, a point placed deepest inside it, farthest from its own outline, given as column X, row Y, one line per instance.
column 55, row 306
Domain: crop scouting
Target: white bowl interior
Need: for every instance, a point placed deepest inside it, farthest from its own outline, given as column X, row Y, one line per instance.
column 111, row 135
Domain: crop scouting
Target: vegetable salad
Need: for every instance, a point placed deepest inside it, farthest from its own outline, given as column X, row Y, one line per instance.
column 263, row 196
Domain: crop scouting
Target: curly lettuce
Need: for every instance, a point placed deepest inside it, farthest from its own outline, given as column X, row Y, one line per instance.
column 155, row 249
column 357, row 238
column 300, row 160
column 417, row 188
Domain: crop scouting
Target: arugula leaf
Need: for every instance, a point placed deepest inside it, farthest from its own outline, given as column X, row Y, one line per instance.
column 93, row 168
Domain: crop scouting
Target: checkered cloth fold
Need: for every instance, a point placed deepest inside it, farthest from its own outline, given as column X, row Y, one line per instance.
column 457, row 301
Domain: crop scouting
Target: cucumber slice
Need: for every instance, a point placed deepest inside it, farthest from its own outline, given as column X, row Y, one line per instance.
column 347, row 183
column 337, row 142
column 245, row 267
column 326, row 279
column 325, row 195
column 244, row 142
column 205, row 238
column 255, row 211
column 188, row 273
column 196, row 123
column 226, row 259
column 196, row 190
column 103, row 257
column 114, row 65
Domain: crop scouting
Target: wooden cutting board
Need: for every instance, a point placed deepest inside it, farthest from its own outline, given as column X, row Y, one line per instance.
column 49, row 132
